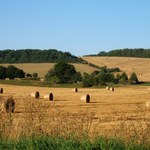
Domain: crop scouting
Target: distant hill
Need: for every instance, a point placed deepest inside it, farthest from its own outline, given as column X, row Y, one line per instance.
column 138, row 52
column 37, row 56
column 141, row 66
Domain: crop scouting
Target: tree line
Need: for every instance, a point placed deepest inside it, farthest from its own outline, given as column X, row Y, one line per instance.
column 37, row 56
column 137, row 52
column 11, row 72
column 66, row 73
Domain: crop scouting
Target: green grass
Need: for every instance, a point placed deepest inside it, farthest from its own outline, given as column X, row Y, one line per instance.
column 57, row 143
column 37, row 83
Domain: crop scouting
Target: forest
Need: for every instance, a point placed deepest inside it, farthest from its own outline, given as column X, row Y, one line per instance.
column 137, row 52
column 37, row 56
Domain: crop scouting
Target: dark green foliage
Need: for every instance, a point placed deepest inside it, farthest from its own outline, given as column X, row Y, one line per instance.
column 35, row 75
column 137, row 52
column 87, row 80
column 19, row 73
column 36, row 56
column 28, row 75
column 2, row 72
column 133, row 78
column 11, row 72
column 124, row 76
column 14, row 72
column 97, row 78
column 113, row 69
column 65, row 73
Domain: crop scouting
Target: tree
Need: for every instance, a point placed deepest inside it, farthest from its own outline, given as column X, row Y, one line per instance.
column 35, row 75
column 65, row 72
column 2, row 72
column 133, row 78
column 11, row 72
column 14, row 72
column 87, row 80
column 19, row 73
column 28, row 75
column 124, row 76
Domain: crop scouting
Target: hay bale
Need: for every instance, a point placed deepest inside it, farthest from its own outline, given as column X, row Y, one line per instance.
column 49, row 96
column 108, row 88
column 75, row 90
column 35, row 94
column 1, row 90
column 85, row 98
column 147, row 104
column 9, row 105
column 112, row 88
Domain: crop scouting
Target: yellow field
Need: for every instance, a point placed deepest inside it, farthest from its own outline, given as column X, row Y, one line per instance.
column 124, row 105
column 141, row 66
column 42, row 68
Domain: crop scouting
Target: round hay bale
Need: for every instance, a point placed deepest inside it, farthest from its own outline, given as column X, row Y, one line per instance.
column 1, row 90
column 9, row 105
column 35, row 94
column 75, row 90
column 49, row 96
column 85, row 98
column 108, row 88
column 112, row 88
column 148, row 104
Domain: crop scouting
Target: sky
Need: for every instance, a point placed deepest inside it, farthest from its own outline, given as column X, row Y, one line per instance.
column 80, row 27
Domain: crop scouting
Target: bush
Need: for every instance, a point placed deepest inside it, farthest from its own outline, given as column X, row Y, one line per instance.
column 133, row 79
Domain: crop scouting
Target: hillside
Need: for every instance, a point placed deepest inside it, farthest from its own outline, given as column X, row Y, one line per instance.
column 42, row 68
column 141, row 66
column 36, row 56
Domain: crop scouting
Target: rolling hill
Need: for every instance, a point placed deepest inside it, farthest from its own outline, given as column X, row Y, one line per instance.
column 141, row 66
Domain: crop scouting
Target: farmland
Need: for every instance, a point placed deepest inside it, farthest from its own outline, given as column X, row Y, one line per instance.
column 141, row 66
column 42, row 68
column 120, row 113
column 105, row 113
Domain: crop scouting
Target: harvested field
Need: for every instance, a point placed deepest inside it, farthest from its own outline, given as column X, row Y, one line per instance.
column 106, row 112
column 42, row 68
column 141, row 66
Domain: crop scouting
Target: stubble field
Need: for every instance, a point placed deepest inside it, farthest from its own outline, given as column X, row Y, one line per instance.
column 141, row 66
column 120, row 113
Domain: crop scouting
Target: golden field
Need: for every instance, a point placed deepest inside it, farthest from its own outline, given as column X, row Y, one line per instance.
column 141, row 66
column 107, row 113
column 42, row 68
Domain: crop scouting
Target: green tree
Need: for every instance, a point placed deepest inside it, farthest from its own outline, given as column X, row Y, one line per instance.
column 87, row 80
column 11, row 72
column 2, row 72
column 133, row 78
column 19, row 73
column 14, row 72
column 35, row 75
column 64, row 71
column 124, row 76
column 28, row 75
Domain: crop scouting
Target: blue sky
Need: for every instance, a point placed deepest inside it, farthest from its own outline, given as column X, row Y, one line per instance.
column 77, row 26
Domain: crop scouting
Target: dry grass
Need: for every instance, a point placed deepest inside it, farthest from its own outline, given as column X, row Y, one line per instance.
column 42, row 68
column 121, row 113
column 141, row 66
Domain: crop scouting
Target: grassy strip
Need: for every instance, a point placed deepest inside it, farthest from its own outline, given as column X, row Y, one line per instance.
column 51, row 143
column 37, row 83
